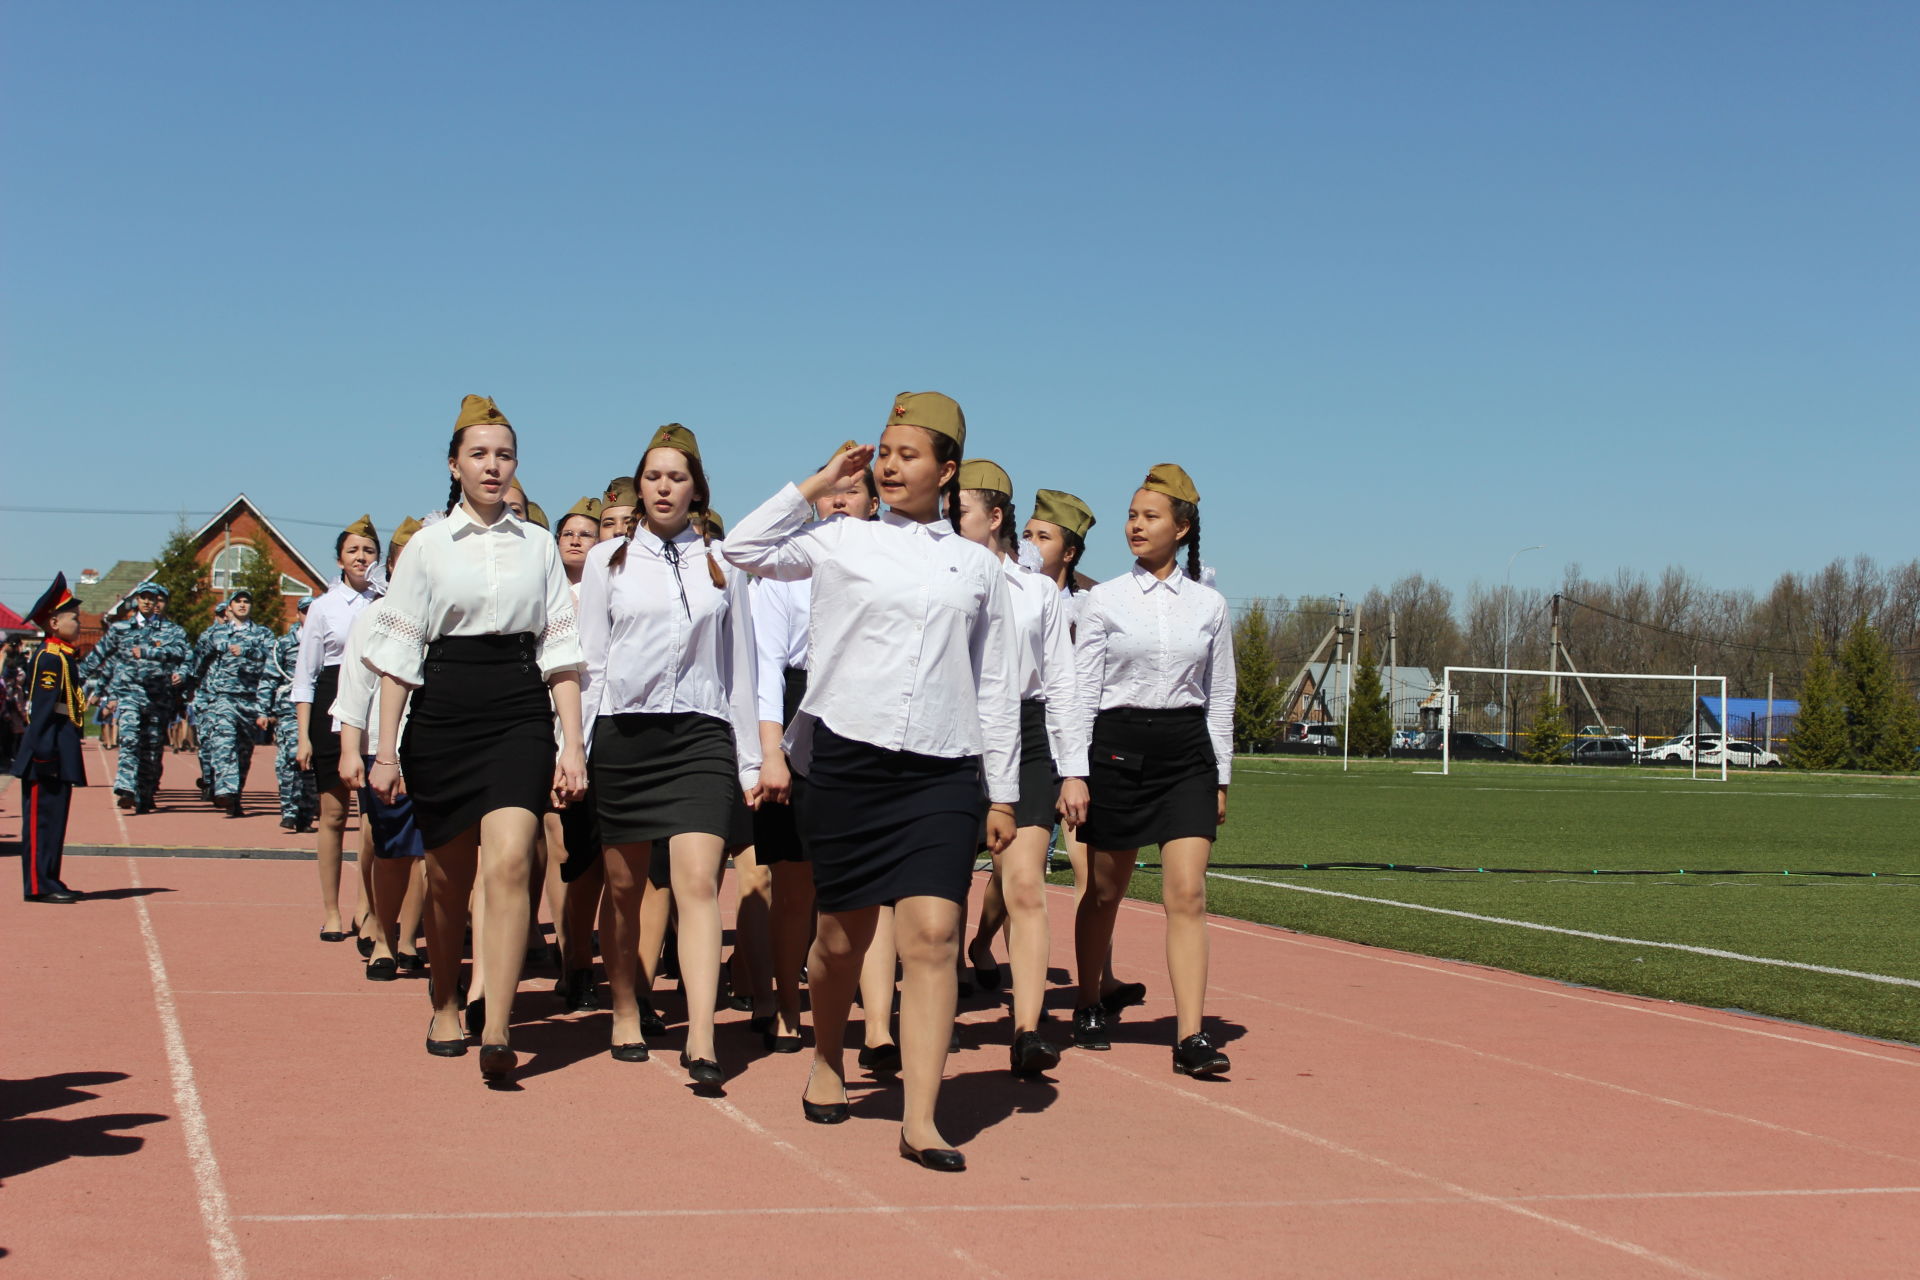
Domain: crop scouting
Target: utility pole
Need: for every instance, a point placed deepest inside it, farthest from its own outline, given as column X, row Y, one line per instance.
column 1506, row 645
column 1769, row 711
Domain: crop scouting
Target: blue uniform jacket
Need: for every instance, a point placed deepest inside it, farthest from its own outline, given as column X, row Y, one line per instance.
column 50, row 751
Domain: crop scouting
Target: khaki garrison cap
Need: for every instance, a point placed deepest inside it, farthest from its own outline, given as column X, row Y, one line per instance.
column 477, row 410
column 405, row 530
column 363, row 527
column 932, row 411
column 980, row 473
column 1063, row 509
column 620, row 493
column 1169, row 479
column 588, row 507
column 675, row 436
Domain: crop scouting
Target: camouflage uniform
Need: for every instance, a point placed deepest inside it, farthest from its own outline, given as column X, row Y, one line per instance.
column 299, row 798
column 143, row 689
column 227, row 700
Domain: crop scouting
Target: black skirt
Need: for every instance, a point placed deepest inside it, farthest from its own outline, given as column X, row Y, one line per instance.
column 661, row 775
column 884, row 825
column 479, row 735
column 320, row 731
column 1039, row 784
column 1151, row 778
column 776, row 836
column 580, row 828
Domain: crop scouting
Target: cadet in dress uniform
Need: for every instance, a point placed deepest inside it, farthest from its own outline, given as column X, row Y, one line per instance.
column 299, row 800
column 47, row 761
column 231, row 659
column 911, row 705
column 1151, row 753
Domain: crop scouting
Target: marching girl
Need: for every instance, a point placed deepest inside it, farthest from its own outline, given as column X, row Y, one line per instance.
column 394, row 877
column 910, row 701
column 780, row 614
column 316, row 682
column 1044, row 655
column 668, row 637
column 617, row 508
column 1056, row 537
column 477, row 644
column 1154, row 715
column 575, row 877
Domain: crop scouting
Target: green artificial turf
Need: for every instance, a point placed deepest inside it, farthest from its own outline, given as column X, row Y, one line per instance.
column 1302, row 810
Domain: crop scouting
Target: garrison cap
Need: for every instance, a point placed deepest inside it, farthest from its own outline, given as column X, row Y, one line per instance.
column 1170, row 479
column 932, row 411
column 674, row 436
column 405, row 530
column 363, row 527
column 1058, row 507
column 588, row 507
column 478, row 411
column 983, row 473
column 620, row 493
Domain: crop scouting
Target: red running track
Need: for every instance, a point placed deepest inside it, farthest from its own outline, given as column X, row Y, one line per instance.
column 195, row 1086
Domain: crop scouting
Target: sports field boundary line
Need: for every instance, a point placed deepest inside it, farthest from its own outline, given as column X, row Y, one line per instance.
column 890, row 1210
column 1714, row 952
column 215, row 1213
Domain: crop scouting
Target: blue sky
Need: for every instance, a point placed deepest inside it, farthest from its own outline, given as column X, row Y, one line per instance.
column 1404, row 286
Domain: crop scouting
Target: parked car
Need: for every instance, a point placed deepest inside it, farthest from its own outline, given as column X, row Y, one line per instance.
column 1603, row 751
column 1477, row 746
column 1682, row 748
column 1324, row 736
column 1741, row 755
column 1615, row 731
column 1407, row 739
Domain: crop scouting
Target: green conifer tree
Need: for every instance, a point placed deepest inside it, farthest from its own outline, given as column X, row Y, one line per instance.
column 1370, row 722
column 190, row 594
column 1548, row 738
column 1879, row 707
column 261, row 576
column 1256, row 699
column 1820, row 739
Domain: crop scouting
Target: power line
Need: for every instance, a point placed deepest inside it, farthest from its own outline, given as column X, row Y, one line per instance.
column 129, row 511
column 1698, row 639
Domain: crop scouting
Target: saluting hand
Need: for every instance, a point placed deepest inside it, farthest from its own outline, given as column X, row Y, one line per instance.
column 843, row 465
column 1073, row 801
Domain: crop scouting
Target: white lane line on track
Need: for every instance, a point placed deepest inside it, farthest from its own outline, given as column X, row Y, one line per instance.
column 1505, row 1204
column 1155, row 1206
column 369, row 995
column 118, row 817
column 830, row 1175
column 212, row 1191
column 1618, row 1002
column 1571, row 1077
column 1714, row 952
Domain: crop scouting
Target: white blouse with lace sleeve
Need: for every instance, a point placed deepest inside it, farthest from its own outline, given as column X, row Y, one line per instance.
column 463, row 578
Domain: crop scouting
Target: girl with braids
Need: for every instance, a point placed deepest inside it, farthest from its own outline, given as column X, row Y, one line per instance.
column 477, row 644
column 316, row 683
column 671, row 716
column 1151, row 754
column 1044, row 656
column 910, row 705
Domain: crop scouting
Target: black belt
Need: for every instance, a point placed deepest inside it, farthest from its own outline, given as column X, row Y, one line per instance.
column 482, row 649
column 1154, row 715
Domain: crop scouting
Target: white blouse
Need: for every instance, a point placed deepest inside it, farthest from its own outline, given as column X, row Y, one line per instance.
column 659, row 638
column 323, row 636
column 1155, row 643
column 358, row 702
column 780, row 612
column 463, row 578
column 910, row 645
column 1043, row 651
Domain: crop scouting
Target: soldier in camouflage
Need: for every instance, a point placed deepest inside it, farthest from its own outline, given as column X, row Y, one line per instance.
column 145, row 654
column 299, row 800
column 229, row 663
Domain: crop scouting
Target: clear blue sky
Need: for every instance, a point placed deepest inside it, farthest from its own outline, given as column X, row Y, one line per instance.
column 1405, row 286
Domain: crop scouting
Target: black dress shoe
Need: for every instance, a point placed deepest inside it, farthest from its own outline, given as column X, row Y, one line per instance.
column 938, row 1159
column 651, row 1023
column 444, row 1048
column 822, row 1112
column 385, row 969
column 124, row 799
column 986, row 975
column 629, row 1052
column 1124, row 996
column 288, row 824
column 881, row 1060
column 1030, row 1055
column 332, row 935
column 704, row 1072
column 581, row 994
column 777, row 1043
column 1196, row 1056
column 364, row 944
column 760, row 1024
column 60, row 896
column 411, row 961
column 476, row 1016
column 145, row 806
column 497, row 1062
column 1092, row 1027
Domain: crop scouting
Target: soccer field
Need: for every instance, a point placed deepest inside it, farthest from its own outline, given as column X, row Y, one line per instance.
column 1558, row 826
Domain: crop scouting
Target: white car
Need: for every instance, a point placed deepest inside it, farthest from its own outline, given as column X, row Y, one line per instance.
column 1324, row 736
column 1740, row 755
column 1682, row 747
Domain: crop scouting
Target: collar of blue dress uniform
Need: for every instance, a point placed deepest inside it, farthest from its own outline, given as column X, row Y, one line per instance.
column 1147, row 582
column 938, row 527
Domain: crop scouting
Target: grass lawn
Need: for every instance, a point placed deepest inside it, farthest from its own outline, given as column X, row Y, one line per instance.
column 1294, row 810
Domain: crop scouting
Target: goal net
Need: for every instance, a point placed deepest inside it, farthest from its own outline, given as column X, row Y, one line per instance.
column 1607, row 717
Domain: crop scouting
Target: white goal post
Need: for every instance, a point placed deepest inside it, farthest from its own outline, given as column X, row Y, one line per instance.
column 1695, row 678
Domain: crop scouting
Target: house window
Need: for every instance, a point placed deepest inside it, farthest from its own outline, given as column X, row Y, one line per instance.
column 292, row 586
column 229, row 565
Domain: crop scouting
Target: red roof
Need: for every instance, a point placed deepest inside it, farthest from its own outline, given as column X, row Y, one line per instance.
column 11, row 621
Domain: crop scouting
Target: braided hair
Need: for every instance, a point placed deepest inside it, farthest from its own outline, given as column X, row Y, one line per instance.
column 453, row 452
column 1188, row 513
column 946, row 449
column 994, row 500
column 1078, row 546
